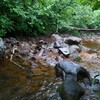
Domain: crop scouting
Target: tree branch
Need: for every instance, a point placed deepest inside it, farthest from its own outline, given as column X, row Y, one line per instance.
column 85, row 29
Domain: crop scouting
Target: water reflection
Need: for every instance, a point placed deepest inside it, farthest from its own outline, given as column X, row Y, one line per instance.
column 19, row 84
column 91, row 44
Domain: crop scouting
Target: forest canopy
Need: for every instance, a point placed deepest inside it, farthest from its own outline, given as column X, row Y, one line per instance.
column 43, row 16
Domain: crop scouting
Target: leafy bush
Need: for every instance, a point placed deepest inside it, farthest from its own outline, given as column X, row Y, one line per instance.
column 5, row 25
column 42, row 16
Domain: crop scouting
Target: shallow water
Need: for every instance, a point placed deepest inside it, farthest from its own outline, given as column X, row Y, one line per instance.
column 91, row 44
column 34, row 84
column 19, row 84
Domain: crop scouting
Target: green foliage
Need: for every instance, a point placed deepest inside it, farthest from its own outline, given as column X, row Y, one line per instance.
column 95, row 4
column 43, row 16
column 5, row 25
column 82, row 16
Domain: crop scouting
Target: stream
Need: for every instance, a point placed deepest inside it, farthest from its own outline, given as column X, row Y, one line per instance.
column 19, row 84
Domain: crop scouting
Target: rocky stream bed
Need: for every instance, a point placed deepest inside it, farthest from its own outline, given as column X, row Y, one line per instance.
column 27, row 69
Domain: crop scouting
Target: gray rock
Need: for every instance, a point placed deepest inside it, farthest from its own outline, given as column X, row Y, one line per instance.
column 64, row 51
column 57, row 37
column 74, row 49
column 60, row 44
column 70, row 89
column 73, row 40
column 57, row 44
column 83, row 48
column 95, row 73
column 1, row 47
column 51, row 61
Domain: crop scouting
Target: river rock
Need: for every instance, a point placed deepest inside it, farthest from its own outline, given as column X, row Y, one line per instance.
column 60, row 44
column 74, row 49
column 51, row 61
column 85, row 56
column 57, row 44
column 70, row 89
column 83, row 48
column 95, row 74
column 66, row 67
column 64, row 51
column 73, row 40
column 1, row 47
column 57, row 37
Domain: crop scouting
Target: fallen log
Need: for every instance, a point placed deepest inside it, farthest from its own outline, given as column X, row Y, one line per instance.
column 85, row 29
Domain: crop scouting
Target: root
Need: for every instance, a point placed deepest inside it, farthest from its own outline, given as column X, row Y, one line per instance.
column 11, row 59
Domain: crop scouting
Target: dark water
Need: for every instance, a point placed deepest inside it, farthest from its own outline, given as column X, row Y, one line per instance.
column 91, row 44
column 19, row 84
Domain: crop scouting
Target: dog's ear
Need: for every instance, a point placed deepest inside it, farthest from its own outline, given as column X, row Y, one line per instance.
column 82, row 74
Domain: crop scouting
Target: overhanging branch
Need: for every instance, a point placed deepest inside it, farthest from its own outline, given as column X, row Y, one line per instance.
column 85, row 29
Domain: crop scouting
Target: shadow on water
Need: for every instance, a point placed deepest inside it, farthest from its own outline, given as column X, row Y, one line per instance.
column 19, row 84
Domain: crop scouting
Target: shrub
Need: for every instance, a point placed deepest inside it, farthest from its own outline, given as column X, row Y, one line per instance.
column 43, row 16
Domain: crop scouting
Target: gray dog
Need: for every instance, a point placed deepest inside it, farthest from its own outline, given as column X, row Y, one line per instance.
column 65, row 68
column 70, row 89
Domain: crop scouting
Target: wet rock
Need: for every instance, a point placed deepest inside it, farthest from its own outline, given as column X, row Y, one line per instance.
column 1, row 47
column 64, row 68
column 42, row 42
column 57, row 37
column 34, row 65
column 83, row 48
column 25, row 50
column 75, row 57
column 98, row 40
column 96, row 87
column 57, row 44
column 62, row 47
column 11, row 40
column 91, row 92
column 41, row 51
column 54, row 96
column 70, row 89
column 64, row 51
column 73, row 40
column 86, row 56
column 54, row 50
column 59, row 59
column 51, row 45
column 90, row 96
column 95, row 74
column 74, row 49
column 51, row 61
column 60, row 44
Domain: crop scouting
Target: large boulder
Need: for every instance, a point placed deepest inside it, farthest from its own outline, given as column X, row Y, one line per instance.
column 70, row 89
column 1, row 47
column 73, row 40
column 66, row 67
